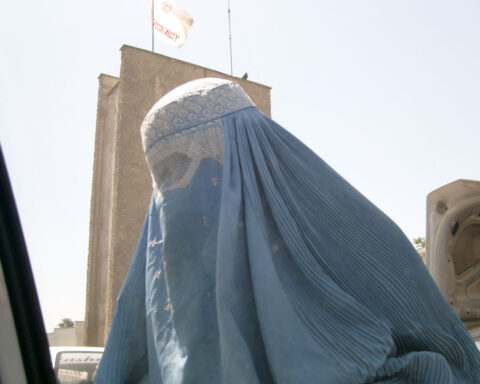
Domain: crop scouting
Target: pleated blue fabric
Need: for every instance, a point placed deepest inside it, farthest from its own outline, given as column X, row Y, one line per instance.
column 271, row 268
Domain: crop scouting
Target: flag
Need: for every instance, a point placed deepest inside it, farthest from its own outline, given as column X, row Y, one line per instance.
column 171, row 22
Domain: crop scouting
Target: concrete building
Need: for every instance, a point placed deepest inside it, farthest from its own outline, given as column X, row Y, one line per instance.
column 67, row 336
column 122, row 186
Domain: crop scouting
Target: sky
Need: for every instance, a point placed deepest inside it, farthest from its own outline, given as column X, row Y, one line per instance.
column 386, row 91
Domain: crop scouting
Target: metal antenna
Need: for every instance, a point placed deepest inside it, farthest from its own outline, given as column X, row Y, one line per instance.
column 153, row 18
column 230, row 37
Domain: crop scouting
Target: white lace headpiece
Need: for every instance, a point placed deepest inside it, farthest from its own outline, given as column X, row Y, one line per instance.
column 185, row 126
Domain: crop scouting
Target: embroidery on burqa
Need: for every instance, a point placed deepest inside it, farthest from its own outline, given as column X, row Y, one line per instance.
column 175, row 142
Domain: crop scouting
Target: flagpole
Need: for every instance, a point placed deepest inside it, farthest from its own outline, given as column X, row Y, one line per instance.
column 230, row 38
column 153, row 10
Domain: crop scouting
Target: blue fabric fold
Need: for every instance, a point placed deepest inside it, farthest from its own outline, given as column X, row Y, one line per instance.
column 271, row 268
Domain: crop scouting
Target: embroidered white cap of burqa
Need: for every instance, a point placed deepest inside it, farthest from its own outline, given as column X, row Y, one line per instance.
column 185, row 126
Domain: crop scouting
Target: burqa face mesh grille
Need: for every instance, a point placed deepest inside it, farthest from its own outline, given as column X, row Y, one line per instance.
column 174, row 160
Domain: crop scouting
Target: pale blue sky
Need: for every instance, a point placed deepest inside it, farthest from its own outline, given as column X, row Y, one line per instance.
column 387, row 92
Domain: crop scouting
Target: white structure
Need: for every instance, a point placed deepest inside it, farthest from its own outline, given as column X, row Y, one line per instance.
column 72, row 336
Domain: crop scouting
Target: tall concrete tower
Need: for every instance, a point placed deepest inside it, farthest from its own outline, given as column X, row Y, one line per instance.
column 122, row 186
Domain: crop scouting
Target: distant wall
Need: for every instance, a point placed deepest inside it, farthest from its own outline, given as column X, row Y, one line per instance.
column 69, row 336
column 122, row 186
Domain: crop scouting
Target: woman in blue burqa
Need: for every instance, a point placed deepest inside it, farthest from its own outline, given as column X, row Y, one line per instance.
column 259, row 264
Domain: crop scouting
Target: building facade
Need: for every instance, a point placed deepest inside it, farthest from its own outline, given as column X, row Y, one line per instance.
column 67, row 336
column 122, row 186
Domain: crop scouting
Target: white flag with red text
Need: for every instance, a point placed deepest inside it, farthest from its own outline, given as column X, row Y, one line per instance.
column 171, row 22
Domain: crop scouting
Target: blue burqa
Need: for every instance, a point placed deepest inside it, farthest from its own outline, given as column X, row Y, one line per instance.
column 259, row 264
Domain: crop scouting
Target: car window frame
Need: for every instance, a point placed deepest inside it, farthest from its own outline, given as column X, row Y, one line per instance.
column 20, row 286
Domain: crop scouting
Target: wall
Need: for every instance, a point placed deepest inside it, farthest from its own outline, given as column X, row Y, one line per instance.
column 69, row 336
column 122, row 186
